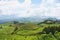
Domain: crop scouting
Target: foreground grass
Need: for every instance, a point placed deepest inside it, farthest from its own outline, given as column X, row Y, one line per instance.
column 36, row 37
column 31, row 34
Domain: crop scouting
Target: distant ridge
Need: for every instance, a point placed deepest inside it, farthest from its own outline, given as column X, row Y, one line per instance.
column 29, row 19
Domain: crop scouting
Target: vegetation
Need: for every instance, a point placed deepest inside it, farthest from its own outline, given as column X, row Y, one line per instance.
column 47, row 30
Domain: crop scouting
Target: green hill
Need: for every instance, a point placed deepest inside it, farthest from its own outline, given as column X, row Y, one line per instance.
column 47, row 30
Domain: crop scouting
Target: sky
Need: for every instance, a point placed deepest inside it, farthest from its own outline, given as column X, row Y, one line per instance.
column 29, row 8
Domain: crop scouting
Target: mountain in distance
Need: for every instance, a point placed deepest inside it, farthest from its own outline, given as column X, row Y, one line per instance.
column 50, row 21
column 28, row 19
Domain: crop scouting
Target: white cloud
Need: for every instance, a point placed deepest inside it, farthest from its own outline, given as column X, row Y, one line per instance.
column 8, row 7
column 47, row 8
column 50, row 1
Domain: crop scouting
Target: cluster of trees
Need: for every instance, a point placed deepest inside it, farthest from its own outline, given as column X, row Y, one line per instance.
column 53, row 29
column 49, row 22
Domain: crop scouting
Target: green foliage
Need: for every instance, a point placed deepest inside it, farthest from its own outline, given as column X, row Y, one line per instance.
column 57, row 35
column 29, row 31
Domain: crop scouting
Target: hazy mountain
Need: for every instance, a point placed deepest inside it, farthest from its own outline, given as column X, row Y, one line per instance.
column 28, row 19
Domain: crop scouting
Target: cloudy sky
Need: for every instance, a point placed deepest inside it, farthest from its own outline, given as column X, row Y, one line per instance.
column 29, row 8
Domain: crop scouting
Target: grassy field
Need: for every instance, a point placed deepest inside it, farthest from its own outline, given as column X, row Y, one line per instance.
column 29, row 31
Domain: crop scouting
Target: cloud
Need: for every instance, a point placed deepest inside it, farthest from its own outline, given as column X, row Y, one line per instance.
column 14, row 8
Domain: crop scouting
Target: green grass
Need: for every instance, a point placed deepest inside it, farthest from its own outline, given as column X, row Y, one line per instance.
column 25, row 34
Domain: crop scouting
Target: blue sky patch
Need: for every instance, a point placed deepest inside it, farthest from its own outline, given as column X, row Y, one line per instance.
column 21, row 1
column 57, row 1
column 36, row 2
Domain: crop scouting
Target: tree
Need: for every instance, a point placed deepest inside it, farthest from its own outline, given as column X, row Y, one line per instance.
column 0, row 27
